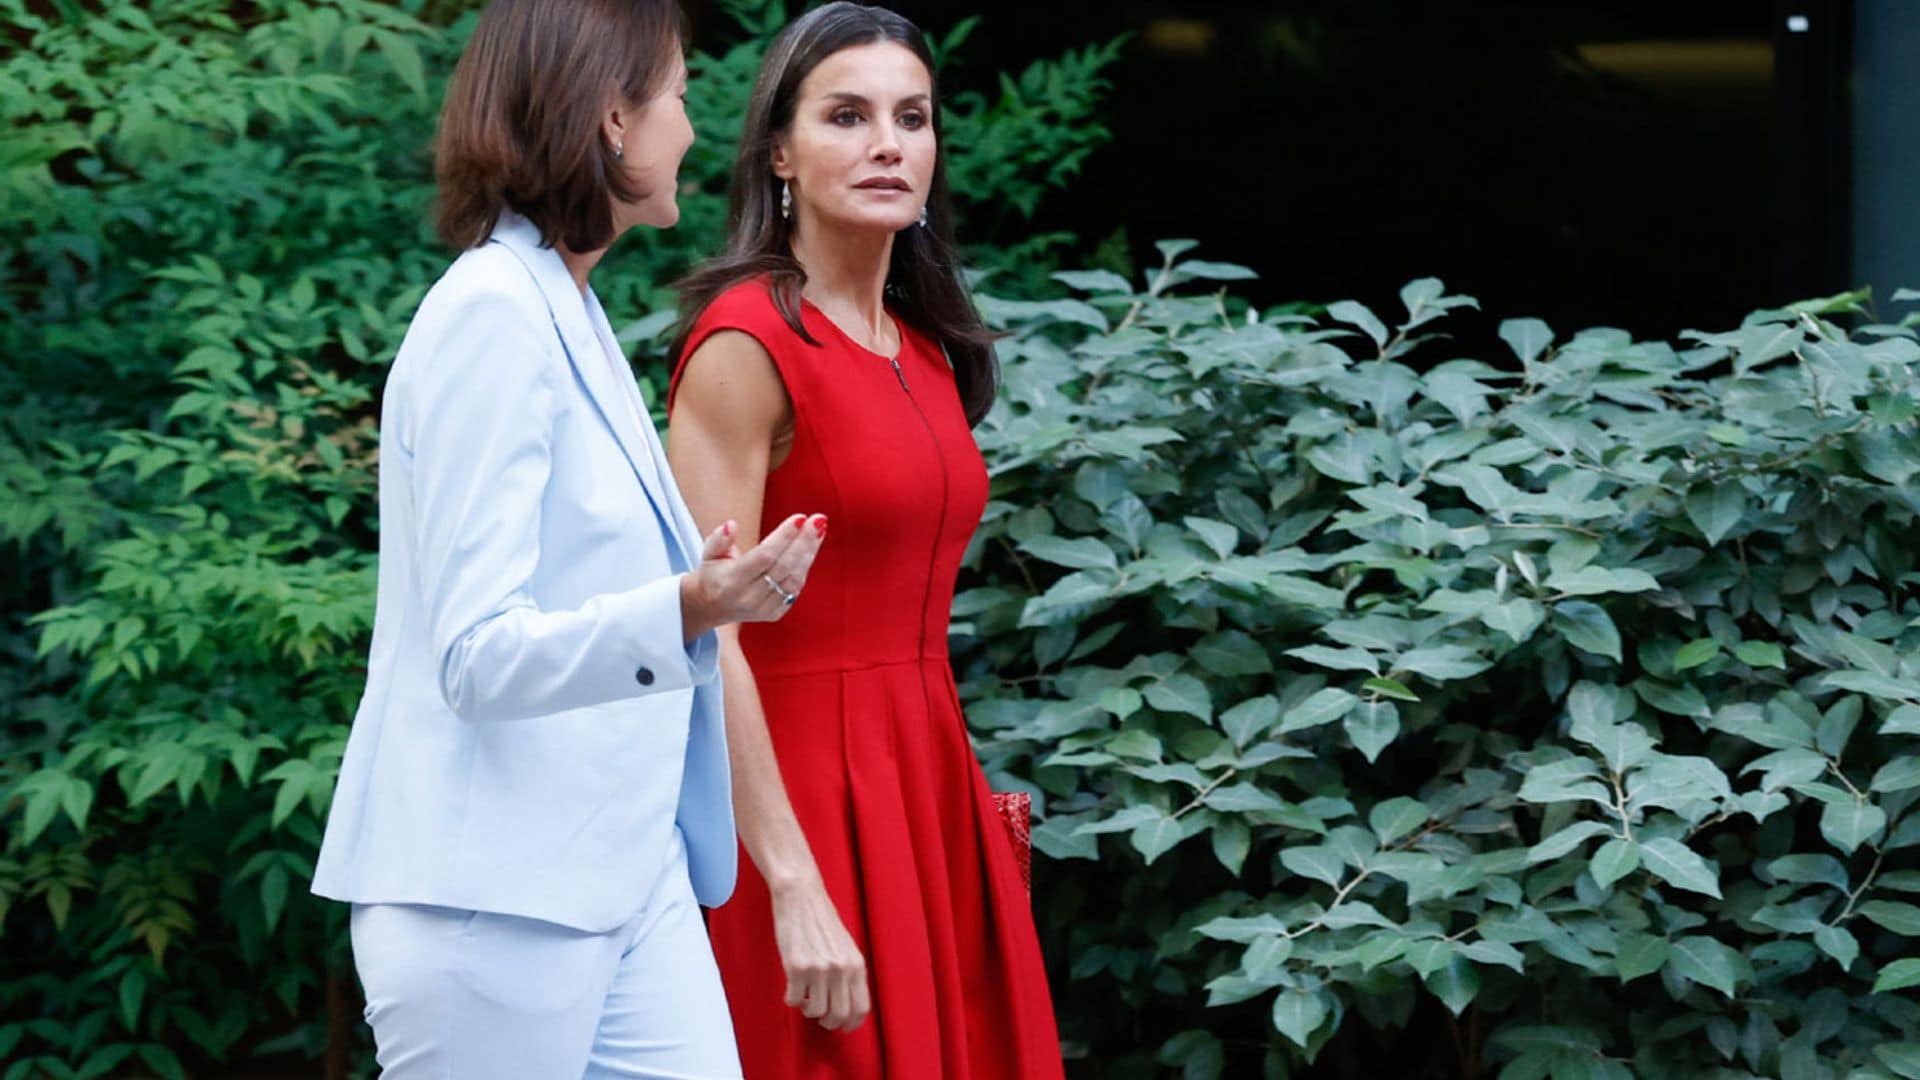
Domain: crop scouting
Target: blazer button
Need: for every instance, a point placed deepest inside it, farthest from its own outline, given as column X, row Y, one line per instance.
column 644, row 676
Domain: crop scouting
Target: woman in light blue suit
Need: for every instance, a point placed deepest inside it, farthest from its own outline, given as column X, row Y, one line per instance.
column 535, row 797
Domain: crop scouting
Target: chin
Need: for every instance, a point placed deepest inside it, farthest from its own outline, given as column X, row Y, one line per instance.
column 879, row 223
column 662, row 217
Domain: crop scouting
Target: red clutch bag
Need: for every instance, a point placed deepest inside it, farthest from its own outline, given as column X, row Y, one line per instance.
column 1016, row 813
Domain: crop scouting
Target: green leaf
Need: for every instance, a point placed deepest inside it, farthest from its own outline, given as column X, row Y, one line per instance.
column 1898, row 775
column 1324, row 707
column 1616, row 859
column 1094, row 281
column 1624, row 746
column 287, row 799
column 1695, row 653
column 1297, row 1014
column 1181, row 693
column 1566, row 840
column 1443, row 663
column 1706, row 961
column 1679, row 866
column 1837, row 943
column 1528, row 338
column 1231, row 653
column 1455, row 984
column 1810, row 869
column 1318, row 862
column 1901, row 918
column 1904, row 720
column 1715, row 509
column 1121, row 701
column 1231, row 841
column 1082, row 553
column 1760, row 654
column 273, row 894
column 1595, row 580
column 1848, row 824
column 1587, row 626
column 404, row 59
column 1903, row 1059
column 1228, row 928
column 1389, row 688
column 1356, row 314
column 1517, row 619
column 1567, row 780
column 1640, row 954
column 1373, row 725
column 1250, row 719
column 1873, row 684
column 133, row 990
column 1242, row 799
column 1898, row 976
column 1265, row 954
column 1135, row 743
column 1349, row 659
column 1155, row 838
column 162, row 1060
column 1067, row 598
column 1218, row 535
column 1397, row 817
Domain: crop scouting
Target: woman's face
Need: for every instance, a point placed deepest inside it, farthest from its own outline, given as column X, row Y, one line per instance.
column 860, row 150
column 653, row 138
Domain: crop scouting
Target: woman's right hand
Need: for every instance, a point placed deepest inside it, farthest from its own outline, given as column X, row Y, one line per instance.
column 826, row 975
column 760, row 585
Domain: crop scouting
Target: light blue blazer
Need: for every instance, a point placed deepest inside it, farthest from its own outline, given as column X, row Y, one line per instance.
column 534, row 727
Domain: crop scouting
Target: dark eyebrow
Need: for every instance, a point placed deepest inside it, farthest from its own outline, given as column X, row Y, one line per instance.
column 848, row 97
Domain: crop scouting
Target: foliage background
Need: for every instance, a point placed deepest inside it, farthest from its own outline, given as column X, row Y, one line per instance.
column 1548, row 713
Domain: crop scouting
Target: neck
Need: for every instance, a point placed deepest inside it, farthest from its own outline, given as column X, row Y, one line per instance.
column 846, row 272
column 580, row 263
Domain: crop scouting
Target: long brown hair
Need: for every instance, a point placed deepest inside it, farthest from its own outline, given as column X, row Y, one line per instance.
column 923, row 280
column 520, row 129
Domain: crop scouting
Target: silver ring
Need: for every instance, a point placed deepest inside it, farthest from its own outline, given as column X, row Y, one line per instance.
column 786, row 597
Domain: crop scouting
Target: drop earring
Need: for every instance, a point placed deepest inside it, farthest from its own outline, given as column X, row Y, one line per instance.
column 923, row 215
column 619, row 150
column 786, row 200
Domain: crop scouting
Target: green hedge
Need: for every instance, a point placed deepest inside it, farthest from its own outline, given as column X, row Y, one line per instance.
column 1547, row 714
column 215, row 233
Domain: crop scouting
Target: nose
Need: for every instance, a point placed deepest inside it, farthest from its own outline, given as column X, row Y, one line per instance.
column 886, row 143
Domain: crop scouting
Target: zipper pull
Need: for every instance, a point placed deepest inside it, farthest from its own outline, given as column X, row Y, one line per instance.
column 897, row 373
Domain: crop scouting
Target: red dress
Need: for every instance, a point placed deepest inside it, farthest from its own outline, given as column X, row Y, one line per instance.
column 866, row 724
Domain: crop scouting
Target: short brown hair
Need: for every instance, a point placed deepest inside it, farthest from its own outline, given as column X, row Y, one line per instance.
column 520, row 127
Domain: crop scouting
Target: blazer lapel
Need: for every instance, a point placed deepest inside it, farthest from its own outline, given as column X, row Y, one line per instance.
column 688, row 529
column 614, row 402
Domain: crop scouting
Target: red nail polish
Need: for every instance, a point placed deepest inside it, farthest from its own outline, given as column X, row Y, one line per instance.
column 821, row 528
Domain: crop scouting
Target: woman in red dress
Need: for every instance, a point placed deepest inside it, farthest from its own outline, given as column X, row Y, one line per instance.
column 832, row 362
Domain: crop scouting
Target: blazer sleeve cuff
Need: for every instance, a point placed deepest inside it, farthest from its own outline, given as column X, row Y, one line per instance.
column 660, row 659
column 703, row 652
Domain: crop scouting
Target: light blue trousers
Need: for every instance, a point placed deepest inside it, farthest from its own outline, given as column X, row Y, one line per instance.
column 470, row 995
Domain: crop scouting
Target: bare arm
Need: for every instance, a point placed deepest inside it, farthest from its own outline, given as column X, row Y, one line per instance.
column 730, row 413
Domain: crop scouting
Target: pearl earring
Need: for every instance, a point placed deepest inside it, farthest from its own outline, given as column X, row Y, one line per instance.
column 786, row 199
column 619, row 150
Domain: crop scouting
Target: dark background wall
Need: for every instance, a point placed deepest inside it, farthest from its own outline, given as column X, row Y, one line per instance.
column 1587, row 161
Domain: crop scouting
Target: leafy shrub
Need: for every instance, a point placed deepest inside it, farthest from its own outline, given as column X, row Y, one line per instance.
column 1552, row 714
column 215, row 234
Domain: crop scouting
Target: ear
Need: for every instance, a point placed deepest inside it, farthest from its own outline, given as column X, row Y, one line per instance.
column 615, row 122
column 782, row 164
